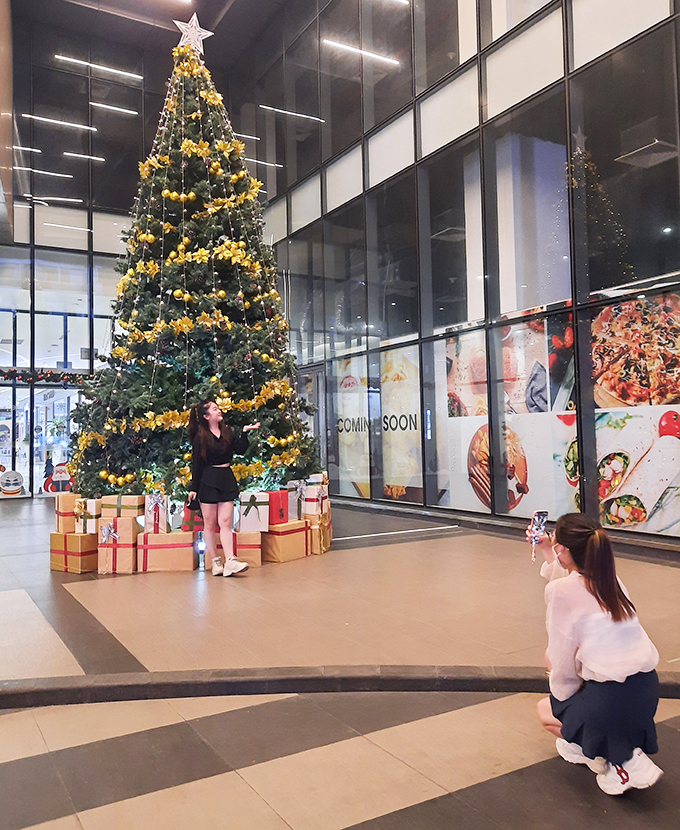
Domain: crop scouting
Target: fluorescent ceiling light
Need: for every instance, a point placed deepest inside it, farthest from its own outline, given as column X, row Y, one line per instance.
column 58, row 123
column 243, row 135
column 100, row 67
column 26, row 149
column 288, row 112
column 55, row 199
column 113, row 109
column 35, row 201
column 66, row 227
column 46, row 173
column 266, row 163
column 361, row 52
column 84, row 156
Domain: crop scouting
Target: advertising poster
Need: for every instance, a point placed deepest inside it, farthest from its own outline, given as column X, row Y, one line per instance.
column 400, row 424
column 352, row 426
column 636, row 372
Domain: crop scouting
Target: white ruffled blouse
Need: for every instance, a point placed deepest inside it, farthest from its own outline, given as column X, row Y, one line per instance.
column 584, row 643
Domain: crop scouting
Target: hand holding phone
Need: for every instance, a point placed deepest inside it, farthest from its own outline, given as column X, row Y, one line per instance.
column 536, row 530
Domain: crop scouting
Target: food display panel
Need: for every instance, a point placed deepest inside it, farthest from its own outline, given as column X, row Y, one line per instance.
column 636, row 375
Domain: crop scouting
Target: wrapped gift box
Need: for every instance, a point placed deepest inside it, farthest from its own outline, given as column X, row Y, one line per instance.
column 118, row 545
column 156, row 517
column 119, row 506
column 278, row 507
column 166, row 551
column 318, row 478
column 285, row 542
column 316, row 499
column 246, row 546
column 320, row 534
column 296, row 499
column 192, row 521
column 64, row 512
column 253, row 513
column 74, row 553
column 88, row 512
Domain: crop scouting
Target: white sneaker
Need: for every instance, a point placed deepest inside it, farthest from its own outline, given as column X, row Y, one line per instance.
column 640, row 772
column 574, row 754
column 233, row 567
column 217, row 567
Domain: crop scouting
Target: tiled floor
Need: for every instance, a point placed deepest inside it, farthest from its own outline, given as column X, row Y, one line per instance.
column 400, row 761
column 379, row 761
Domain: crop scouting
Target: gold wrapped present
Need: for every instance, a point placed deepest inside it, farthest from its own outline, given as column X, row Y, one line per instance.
column 118, row 545
column 64, row 512
column 122, row 506
column 285, row 542
column 74, row 553
column 166, row 551
column 320, row 532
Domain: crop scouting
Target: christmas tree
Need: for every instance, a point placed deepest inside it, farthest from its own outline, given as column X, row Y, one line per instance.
column 198, row 314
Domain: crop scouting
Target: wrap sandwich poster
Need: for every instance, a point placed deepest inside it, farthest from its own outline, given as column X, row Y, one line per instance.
column 400, row 426
column 638, row 468
column 352, row 426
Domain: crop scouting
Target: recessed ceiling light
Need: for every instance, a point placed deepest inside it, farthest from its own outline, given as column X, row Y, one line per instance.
column 58, row 123
column 26, row 149
column 99, row 67
column 58, row 199
column 84, row 156
column 363, row 52
column 67, row 227
column 46, row 172
column 113, row 109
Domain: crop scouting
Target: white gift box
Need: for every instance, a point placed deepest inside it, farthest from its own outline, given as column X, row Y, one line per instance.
column 315, row 478
column 316, row 499
column 87, row 521
column 156, row 514
column 253, row 513
column 296, row 500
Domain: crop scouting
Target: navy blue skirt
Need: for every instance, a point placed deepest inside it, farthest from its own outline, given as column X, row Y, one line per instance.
column 218, row 484
column 611, row 719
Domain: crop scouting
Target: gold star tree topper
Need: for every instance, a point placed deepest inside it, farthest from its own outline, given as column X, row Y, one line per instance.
column 192, row 34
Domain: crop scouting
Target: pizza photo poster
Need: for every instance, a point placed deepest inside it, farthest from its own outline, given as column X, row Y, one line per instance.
column 400, row 426
column 636, row 374
column 352, row 426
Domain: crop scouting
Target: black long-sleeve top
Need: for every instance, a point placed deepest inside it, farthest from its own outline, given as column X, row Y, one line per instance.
column 216, row 455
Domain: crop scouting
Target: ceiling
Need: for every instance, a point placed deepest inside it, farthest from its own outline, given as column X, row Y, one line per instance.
column 148, row 23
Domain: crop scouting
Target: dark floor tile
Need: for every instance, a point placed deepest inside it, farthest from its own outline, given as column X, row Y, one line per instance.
column 356, row 521
column 31, row 792
column 445, row 813
column 371, row 711
column 261, row 733
column 119, row 768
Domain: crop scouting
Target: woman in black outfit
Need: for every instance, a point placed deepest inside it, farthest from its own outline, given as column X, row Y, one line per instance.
column 213, row 483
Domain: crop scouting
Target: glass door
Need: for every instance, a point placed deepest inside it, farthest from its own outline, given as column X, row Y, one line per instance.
column 312, row 386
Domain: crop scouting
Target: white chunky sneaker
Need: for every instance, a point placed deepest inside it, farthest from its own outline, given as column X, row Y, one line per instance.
column 640, row 772
column 574, row 754
column 217, row 567
column 233, row 567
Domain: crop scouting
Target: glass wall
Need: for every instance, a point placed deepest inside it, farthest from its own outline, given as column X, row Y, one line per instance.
column 502, row 295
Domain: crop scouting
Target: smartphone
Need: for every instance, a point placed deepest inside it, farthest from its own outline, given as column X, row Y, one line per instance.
column 539, row 520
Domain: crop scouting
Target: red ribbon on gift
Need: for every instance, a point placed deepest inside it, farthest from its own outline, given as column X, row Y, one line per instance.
column 145, row 547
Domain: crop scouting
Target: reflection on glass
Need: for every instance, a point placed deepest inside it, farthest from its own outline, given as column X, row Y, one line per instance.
column 345, row 285
column 60, row 281
column 456, row 423
column 13, row 443
column 385, row 31
column 49, row 341
column 15, row 278
column 443, row 38
column 399, row 425
column 270, row 128
column 302, row 96
column 528, row 232
column 306, row 319
column 506, row 14
column 625, row 165
column 102, row 338
column 392, row 260
column 539, row 421
column 348, row 456
column 51, row 428
column 105, row 282
column 452, row 271
column 340, row 76
column 78, row 343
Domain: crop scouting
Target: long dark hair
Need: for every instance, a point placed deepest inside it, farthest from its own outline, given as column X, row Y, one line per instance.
column 198, row 426
column 592, row 553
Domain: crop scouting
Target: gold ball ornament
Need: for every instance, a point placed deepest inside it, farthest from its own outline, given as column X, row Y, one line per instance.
column 150, row 238
column 187, row 297
column 103, row 474
column 120, row 481
column 165, row 193
column 246, row 304
column 129, row 477
column 191, row 196
column 214, row 379
column 186, row 240
column 174, row 196
column 221, row 294
column 186, row 456
column 111, row 479
column 282, row 406
column 178, row 293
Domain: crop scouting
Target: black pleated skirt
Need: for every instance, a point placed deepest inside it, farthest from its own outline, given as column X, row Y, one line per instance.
column 611, row 719
column 218, row 484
